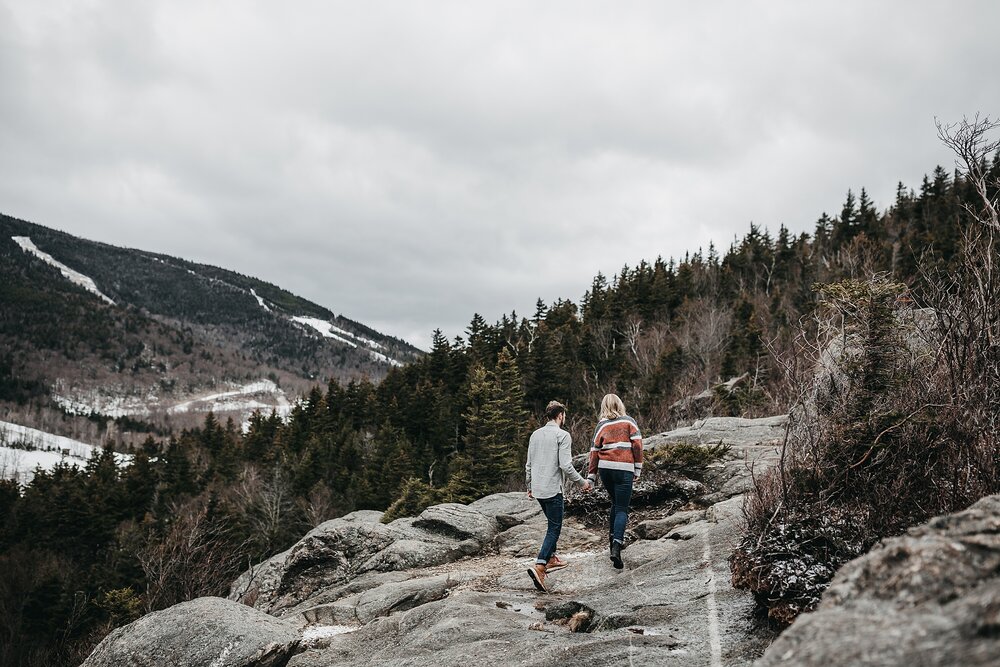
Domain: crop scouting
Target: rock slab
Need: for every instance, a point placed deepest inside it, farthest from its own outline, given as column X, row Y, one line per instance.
column 654, row 529
column 199, row 633
column 459, row 521
column 930, row 597
column 726, row 430
column 409, row 603
column 341, row 550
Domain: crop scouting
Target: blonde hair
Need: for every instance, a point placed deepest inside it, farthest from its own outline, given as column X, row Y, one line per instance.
column 612, row 407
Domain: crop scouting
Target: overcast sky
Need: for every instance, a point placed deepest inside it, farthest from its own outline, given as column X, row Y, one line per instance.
column 407, row 164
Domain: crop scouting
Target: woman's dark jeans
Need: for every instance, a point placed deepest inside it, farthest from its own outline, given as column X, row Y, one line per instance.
column 619, row 486
column 552, row 508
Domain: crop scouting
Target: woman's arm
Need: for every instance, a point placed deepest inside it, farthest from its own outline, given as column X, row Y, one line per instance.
column 635, row 437
column 595, row 447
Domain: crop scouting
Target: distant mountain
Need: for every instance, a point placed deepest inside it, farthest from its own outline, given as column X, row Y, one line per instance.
column 151, row 340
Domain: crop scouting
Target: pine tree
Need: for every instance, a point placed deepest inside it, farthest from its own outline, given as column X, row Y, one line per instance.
column 388, row 467
column 845, row 228
column 480, row 349
column 140, row 480
column 414, row 497
column 495, row 424
column 867, row 220
column 821, row 234
column 9, row 496
column 744, row 343
column 212, row 437
column 359, row 408
column 260, row 439
column 541, row 310
column 464, row 484
column 439, row 366
column 178, row 478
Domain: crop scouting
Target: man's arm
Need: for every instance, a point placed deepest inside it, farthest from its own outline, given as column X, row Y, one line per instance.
column 566, row 459
column 527, row 470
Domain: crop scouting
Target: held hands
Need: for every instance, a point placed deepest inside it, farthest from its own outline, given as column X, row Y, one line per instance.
column 588, row 486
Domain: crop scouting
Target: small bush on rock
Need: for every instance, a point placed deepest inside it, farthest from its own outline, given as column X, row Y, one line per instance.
column 122, row 605
column 683, row 457
column 792, row 561
column 414, row 497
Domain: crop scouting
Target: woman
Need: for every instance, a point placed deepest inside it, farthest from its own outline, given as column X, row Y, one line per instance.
column 616, row 454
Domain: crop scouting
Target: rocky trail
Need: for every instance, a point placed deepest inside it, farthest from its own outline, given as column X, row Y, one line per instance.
column 450, row 587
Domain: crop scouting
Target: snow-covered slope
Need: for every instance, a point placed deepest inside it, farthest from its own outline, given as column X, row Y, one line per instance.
column 24, row 449
column 260, row 300
column 74, row 277
column 263, row 395
column 325, row 329
column 330, row 330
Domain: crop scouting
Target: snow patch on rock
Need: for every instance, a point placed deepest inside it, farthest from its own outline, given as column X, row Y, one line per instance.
column 315, row 633
column 102, row 402
column 263, row 395
column 384, row 359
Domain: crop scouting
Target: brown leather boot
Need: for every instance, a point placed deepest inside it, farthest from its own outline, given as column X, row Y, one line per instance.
column 555, row 563
column 537, row 574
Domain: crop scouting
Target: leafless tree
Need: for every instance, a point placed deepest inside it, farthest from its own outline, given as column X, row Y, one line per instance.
column 860, row 258
column 973, row 147
column 704, row 331
column 603, row 338
column 267, row 503
column 645, row 344
column 631, row 331
column 320, row 505
column 195, row 557
column 894, row 420
column 966, row 297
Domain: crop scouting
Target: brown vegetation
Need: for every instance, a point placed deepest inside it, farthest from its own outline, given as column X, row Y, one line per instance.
column 897, row 415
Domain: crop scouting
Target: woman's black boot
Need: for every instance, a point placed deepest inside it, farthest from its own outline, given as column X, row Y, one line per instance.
column 616, row 554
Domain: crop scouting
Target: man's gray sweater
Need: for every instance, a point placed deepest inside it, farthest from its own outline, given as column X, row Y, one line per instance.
column 550, row 461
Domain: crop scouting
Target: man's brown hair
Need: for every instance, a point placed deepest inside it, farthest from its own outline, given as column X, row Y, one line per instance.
column 554, row 409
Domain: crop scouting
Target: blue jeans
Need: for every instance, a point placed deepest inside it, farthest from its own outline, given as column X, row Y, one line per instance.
column 619, row 486
column 552, row 508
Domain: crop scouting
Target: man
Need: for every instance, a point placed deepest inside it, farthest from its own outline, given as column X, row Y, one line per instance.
column 550, row 460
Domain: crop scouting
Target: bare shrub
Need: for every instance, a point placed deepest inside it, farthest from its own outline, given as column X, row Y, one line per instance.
column 266, row 506
column 685, row 458
column 966, row 300
column 867, row 456
column 196, row 556
column 900, row 421
column 320, row 506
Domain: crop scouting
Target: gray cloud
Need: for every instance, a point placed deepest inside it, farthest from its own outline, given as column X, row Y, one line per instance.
column 408, row 164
